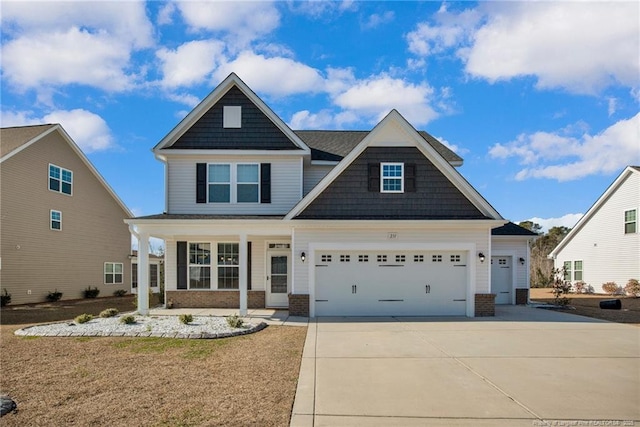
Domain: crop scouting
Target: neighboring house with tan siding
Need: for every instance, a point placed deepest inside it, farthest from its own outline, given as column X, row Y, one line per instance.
column 61, row 225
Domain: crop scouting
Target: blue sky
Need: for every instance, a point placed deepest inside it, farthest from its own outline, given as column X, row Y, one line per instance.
column 540, row 99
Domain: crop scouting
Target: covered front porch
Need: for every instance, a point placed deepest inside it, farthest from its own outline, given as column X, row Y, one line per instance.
column 237, row 265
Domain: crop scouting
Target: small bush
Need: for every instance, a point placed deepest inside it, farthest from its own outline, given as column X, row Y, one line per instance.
column 54, row 296
column 128, row 319
column 632, row 288
column 186, row 318
column 5, row 298
column 610, row 287
column 119, row 293
column 580, row 287
column 83, row 318
column 560, row 287
column 235, row 321
column 109, row 312
column 91, row 293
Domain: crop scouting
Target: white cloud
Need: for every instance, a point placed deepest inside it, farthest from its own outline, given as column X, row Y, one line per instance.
column 376, row 19
column 612, row 106
column 307, row 120
column 566, row 158
column 453, row 147
column 568, row 220
column 322, row 9
column 266, row 75
column 165, row 14
column 87, row 129
column 376, row 96
column 190, row 63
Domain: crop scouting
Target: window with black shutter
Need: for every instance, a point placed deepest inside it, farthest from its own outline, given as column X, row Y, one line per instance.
column 374, row 177
column 201, row 183
column 182, row 265
column 410, row 177
column 265, row 183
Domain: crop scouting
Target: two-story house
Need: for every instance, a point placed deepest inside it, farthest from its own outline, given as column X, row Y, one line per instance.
column 323, row 223
column 604, row 246
column 60, row 222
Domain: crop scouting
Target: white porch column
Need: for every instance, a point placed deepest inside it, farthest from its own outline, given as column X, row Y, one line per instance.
column 242, row 274
column 143, row 274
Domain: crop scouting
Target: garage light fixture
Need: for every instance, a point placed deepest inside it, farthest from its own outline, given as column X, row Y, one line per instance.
column 303, row 256
column 481, row 256
column 521, row 260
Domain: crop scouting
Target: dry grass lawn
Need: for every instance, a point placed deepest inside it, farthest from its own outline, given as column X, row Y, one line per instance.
column 241, row 381
column 589, row 305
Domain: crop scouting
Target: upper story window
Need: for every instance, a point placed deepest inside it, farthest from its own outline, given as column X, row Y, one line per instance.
column 60, row 179
column 232, row 116
column 234, row 183
column 630, row 221
column 392, row 177
column 55, row 220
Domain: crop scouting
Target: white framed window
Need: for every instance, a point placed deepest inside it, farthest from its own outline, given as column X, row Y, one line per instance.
column 391, row 177
column 153, row 275
column 232, row 117
column 55, row 220
column 234, row 182
column 60, row 179
column 199, row 265
column 248, row 183
column 567, row 270
column 113, row 273
column 219, row 183
column 228, row 266
column 577, row 270
column 630, row 221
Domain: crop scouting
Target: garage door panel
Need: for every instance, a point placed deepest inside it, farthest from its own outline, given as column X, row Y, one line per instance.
column 390, row 283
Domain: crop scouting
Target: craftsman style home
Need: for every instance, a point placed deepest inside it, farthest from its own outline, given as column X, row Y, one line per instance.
column 367, row 223
column 604, row 246
column 61, row 223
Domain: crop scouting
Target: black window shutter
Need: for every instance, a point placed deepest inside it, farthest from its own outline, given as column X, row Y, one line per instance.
column 265, row 182
column 410, row 177
column 374, row 177
column 201, row 183
column 249, row 266
column 182, row 265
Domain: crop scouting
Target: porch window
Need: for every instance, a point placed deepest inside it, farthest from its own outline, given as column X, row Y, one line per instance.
column 392, row 177
column 113, row 273
column 577, row 271
column 199, row 265
column 630, row 221
column 228, row 267
column 153, row 275
column 219, row 183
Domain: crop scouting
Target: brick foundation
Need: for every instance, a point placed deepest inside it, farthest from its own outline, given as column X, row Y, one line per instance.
column 485, row 305
column 522, row 296
column 214, row 299
column 299, row 305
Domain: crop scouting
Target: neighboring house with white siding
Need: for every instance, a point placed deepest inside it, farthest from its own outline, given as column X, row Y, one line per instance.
column 604, row 246
column 375, row 222
column 61, row 225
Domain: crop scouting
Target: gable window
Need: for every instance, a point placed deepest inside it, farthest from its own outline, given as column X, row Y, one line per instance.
column 392, row 177
column 199, row 265
column 55, row 220
column 228, row 266
column 112, row 273
column 630, row 221
column 60, row 179
column 248, row 183
column 232, row 117
column 577, row 270
column 219, row 183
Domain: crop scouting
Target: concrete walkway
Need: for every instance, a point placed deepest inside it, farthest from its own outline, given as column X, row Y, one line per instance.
column 524, row 367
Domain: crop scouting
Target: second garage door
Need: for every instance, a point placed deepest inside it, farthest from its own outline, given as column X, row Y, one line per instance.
column 411, row 283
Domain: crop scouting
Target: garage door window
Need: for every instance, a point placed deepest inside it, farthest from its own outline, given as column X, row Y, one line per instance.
column 325, row 258
column 418, row 258
column 436, row 258
column 382, row 258
column 455, row 258
column 345, row 258
column 363, row 258
column 400, row 258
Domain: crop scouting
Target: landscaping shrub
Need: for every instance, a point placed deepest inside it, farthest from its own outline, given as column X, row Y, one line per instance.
column 235, row 321
column 109, row 312
column 5, row 298
column 91, row 293
column 54, row 296
column 632, row 288
column 186, row 318
column 83, row 318
column 128, row 319
column 119, row 293
column 561, row 287
column 580, row 287
column 610, row 287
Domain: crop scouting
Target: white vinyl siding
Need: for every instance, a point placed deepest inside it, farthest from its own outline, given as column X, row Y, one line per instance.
column 608, row 254
column 286, row 186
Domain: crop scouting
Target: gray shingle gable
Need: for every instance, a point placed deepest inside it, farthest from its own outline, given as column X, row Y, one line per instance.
column 348, row 197
column 258, row 132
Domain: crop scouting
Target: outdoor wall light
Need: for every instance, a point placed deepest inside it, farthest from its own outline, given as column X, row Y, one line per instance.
column 521, row 260
column 481, row 256
column 303, row 256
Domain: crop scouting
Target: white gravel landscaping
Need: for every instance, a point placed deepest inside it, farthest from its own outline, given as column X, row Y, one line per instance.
column 206, row 327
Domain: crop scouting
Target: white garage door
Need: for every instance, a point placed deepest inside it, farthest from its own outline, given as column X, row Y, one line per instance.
column 390, row 283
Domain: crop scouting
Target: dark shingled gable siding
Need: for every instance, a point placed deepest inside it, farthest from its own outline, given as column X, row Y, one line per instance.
column 257, row 132
column 348, row 197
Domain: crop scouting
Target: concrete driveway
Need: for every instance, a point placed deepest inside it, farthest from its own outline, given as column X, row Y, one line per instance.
column 524, row 367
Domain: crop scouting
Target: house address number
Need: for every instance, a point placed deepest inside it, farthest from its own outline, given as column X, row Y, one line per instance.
column 392, row 236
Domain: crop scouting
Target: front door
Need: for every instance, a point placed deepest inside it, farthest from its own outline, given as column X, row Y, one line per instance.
column 278, row 283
